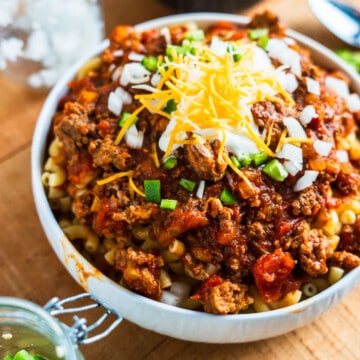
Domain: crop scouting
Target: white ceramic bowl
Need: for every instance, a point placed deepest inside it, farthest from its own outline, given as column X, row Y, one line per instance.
column 153, row 315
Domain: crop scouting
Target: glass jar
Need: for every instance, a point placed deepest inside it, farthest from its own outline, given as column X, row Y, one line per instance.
column 27, row 326
column 35, row 49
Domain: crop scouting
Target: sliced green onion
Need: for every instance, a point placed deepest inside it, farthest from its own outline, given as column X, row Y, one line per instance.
column 152, row 190
column 236, row 53
column 260, row 158
column 245, row 159
column 23, row 355
column 228, row 198
column 124, row 118
column 170, row 162
column 187, row 184
column 263, row 41
column 235, row 161
column 150, row 63
column 196, row 35
column 170, row 106
column 255, row 34
column 170, row 49
column 276, row 170
column 168, row 204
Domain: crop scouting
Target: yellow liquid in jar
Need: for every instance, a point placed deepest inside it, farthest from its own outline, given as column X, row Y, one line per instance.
column 14, row 338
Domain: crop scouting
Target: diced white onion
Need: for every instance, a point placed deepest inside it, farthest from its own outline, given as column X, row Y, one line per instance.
column 124, row 95
column 155, row 79
column 134, row 73
column 307, row 114
column 306, row 180
column 134, row 138
column 292, row 167
column 200, row 189
column 168, row 298
column 145, row 87
column 118, row 53
column 312, row 86
column 115, row 104
column 337, row 85
column 218, row 46
column 133, row 56
column 290, row 152
column 342, row 156
column 180, row 289
column 261, row 59
column 323, row 148
column 278, row 49
column 165, row 32
column 294, row 127
column 353, row 102
column 287, row 80
column 194, row 75
column 117, row 73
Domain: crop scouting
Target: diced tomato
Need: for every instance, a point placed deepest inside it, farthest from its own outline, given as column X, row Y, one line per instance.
column 207, row 285
column 272, row 273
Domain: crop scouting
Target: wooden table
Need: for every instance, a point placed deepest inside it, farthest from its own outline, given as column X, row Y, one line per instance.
column 29, row 269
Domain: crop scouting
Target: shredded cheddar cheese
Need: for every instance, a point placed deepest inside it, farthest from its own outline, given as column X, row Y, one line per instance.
column 214, row 92
column 132, row 187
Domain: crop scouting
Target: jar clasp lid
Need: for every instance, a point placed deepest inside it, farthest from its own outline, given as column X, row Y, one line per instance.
column 79, row 331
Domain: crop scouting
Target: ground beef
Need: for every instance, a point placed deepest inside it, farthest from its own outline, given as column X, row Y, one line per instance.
column 308, row 203
column 74, row 128
column 141, row 271
column 203, row 159
column 344, row 260
column 313, row 249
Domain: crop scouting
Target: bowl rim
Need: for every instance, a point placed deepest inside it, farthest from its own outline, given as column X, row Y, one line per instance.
column 47, row 218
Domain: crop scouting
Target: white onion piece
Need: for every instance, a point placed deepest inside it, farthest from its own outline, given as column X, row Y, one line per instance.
column 200, row 189
column 194, row 75
column 134, row 138
column 323, row 148
column 124, row 95
column 155, row 79
column 353, row 102
column 307, row 114
column 133, row 56
column 278, row 49
column 117, row 73
column 168, row 298
column 165, row 32
column 292, row 167
column 145, row 87
column 287, row 80
column 342, row 156
column 180, row 289
column 134, row 73
column 261, row 60
column 312, row 86
column 306, row 180
column 115, row 103
column 218, row 46
column 290, row 152
column 294, row 127
column 337, row 85
column 118, row 53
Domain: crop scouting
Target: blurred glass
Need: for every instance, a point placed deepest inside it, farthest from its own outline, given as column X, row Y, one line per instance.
column 209, row 5
column 40, row 39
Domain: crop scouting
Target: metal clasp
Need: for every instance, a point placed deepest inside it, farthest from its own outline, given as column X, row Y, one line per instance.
column 79, row 331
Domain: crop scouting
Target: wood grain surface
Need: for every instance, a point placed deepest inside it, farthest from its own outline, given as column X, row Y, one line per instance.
column 29, row 269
